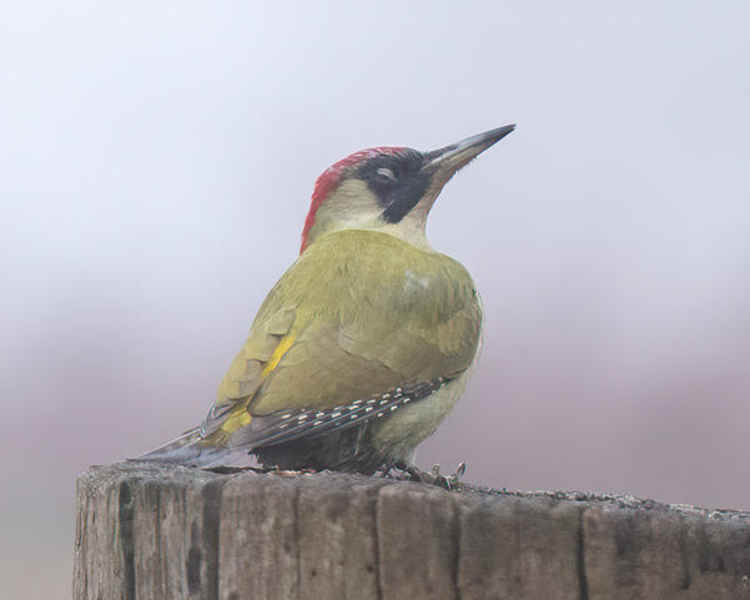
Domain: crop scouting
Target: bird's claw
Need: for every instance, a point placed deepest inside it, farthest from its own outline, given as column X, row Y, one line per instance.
column 433, row 476
column 449, row 482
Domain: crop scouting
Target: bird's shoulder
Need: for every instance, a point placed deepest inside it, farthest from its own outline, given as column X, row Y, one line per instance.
column 370, row 265
column 357, row 312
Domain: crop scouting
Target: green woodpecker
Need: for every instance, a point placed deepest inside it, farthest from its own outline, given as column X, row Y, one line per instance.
column 366, row 342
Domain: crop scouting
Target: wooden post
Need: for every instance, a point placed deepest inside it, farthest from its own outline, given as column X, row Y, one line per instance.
column 151, row 531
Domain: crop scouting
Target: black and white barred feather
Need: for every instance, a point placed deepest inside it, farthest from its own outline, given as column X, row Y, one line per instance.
column 270, row 434
column 286, row 426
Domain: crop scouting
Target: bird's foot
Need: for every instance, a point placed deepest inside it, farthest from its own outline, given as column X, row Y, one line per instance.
column 432, row 477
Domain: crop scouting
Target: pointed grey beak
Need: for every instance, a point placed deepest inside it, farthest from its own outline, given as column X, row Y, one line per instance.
column 451, row 158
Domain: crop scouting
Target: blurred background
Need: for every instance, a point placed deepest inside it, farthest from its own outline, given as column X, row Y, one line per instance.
column 156, row 165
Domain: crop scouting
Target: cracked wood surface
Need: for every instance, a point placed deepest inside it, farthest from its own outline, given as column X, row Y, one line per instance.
column 150, row 531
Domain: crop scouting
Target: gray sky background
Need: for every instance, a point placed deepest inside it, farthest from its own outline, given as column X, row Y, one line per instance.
column 156, row 165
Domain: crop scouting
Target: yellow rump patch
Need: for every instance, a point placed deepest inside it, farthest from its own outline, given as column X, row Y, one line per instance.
column 236, row 420
column 239, row 417
column 278, row 354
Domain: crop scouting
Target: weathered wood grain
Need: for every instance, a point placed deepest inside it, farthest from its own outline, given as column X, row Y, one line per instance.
column 147, row 531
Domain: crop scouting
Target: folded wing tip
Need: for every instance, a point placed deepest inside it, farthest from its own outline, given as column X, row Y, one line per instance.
column 185, row 450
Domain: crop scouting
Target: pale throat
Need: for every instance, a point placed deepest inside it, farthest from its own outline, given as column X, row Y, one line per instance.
column 354, row 206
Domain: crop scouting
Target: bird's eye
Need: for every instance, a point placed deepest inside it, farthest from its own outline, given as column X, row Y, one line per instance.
column 385, row 174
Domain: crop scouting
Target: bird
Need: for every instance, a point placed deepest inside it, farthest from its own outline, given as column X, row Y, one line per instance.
column 367, row 341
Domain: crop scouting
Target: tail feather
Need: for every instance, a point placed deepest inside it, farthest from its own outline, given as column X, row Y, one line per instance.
column 186, row 450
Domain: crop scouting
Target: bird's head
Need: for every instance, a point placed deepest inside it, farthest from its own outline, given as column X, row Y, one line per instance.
column 389, row 188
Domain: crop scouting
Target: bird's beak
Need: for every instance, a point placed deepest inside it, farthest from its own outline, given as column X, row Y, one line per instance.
column 444, row 162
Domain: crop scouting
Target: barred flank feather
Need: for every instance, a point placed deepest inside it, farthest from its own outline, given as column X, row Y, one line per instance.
column 286, row 426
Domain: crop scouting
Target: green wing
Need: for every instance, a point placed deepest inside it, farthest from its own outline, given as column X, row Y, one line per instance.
column 357, row 314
